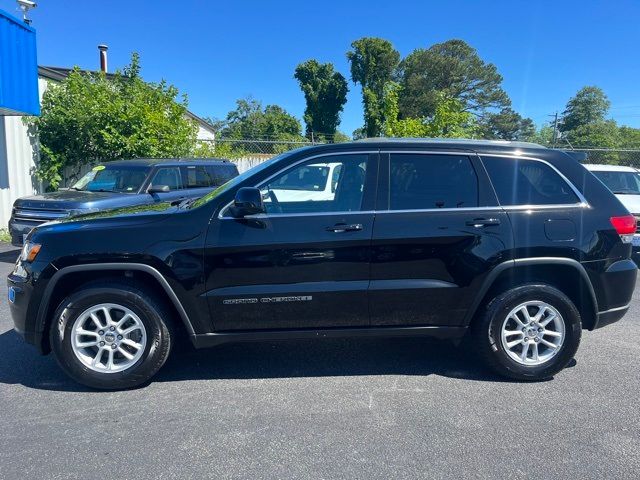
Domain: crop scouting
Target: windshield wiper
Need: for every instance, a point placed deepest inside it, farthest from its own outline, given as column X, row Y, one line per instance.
column 184, row 203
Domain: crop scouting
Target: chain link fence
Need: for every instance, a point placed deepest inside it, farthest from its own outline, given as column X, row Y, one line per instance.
column 627, row 157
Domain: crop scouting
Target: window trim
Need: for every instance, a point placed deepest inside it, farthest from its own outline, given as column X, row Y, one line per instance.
column 367, row 153
column 583, row 203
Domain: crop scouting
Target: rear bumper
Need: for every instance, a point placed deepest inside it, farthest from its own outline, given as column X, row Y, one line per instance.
column 616, row 286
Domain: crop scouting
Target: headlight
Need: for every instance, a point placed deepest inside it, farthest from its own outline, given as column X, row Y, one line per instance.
column 30, row 251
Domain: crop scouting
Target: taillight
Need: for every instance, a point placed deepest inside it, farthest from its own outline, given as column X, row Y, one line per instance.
column 625, row 226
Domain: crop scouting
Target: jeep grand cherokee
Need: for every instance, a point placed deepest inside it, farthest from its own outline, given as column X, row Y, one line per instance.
column 513, row 244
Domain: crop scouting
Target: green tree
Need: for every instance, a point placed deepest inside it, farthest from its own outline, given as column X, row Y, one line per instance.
column 449, row 120
column 455, row 69
column 88, row 119
column 249, row 121
column 629, row 137
column 590, row 105
column 325, row 93
column 601, row 134
column 506, row 124
column 373, row 62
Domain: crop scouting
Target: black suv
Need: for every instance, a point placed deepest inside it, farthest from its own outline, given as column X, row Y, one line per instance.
column 517, row 245
column 118, row 184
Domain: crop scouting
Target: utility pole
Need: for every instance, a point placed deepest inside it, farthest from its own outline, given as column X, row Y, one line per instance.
column 555, row 129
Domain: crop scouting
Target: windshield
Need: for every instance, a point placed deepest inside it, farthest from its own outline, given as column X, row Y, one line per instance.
column 239, row 179
column 112, row 179
column 621, row 183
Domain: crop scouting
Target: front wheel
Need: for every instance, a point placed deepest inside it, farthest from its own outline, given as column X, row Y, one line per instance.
column 530, row 332
column 111, row 336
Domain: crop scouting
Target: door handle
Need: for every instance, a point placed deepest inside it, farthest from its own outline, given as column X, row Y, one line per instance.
column 343, row 227
column 483, row 222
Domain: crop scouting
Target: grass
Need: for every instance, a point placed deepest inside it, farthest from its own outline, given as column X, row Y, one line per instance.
column 4, row 235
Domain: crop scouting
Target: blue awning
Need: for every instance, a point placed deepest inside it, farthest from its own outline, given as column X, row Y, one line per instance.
column 18, row 68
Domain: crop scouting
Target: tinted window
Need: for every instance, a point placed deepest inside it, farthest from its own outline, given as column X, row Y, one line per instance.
column 431, row 181
column 196, row 176
column 527, row 182
column 221, row 174
column 312, row 187
column 169, row 177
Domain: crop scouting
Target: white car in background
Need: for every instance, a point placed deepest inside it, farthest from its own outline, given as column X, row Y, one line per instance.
column 624, row 182
column 315, row 182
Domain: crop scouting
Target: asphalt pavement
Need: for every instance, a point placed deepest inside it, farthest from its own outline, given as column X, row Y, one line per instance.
column 365, row 408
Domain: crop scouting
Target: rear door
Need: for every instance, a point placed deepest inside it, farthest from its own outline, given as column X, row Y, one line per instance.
column 437, row 234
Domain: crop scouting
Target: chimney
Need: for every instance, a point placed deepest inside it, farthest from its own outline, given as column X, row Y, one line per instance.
column 103, row 57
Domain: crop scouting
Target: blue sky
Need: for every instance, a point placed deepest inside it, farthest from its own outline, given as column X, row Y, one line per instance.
column 217, row 52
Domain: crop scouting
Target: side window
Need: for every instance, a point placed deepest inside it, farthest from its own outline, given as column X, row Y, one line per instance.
column 527, row 182
column 314, row 186
column 196, row 176
column 421, row 181
column 221, row 174
column 169, row 176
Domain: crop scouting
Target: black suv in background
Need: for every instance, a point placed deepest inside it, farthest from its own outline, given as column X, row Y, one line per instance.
column 516, row 245
column 119, row 184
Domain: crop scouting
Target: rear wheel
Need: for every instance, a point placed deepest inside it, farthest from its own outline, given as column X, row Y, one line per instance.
column 111, row 336
column 528, row 333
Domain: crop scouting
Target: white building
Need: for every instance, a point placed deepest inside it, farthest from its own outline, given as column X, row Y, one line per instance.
column 19, row 148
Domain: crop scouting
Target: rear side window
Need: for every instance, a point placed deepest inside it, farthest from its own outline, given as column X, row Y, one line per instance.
column 527, row 182
column 221, row 174
column 420, row 182
column 196, row 176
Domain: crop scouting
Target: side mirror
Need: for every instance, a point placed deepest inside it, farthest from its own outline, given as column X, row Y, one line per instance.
column 248, row 201
column 158, row 189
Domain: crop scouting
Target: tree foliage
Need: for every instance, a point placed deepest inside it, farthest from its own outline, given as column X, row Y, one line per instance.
column 449, row 120
column 89, row 118
column 250, row 121
column 506, row 124
column 325, row 93
column 373, row 62
column 452, row 68
column 590, row 105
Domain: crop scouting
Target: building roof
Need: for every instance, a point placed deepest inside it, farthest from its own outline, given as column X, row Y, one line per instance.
column 58, row 74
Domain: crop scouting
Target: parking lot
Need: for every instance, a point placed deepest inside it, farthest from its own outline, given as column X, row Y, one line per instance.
column 365, row 408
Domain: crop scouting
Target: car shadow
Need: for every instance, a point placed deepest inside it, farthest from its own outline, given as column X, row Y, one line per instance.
column 9, row 256
column 21, row 364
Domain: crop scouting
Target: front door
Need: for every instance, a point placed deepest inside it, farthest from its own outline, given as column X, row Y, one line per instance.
column 305, row 262
column 438, row 232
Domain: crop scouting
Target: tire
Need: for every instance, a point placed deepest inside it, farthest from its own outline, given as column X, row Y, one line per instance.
column 499, row 352
column 150, row 322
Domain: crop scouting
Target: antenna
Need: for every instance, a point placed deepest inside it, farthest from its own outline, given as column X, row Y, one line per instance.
column 25, row 6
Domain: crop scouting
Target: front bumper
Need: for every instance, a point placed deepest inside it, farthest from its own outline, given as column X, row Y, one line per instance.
column 24, row 298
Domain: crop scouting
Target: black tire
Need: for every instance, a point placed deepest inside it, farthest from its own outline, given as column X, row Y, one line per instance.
column 152, row 312
column 487, row 337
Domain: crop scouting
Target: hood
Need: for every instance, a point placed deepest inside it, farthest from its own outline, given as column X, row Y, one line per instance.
column 72, row 199
column 132, row 213
column 631, row 202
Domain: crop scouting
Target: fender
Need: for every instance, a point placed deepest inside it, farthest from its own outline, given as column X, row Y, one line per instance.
column 521, row 262
column 46, row 297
